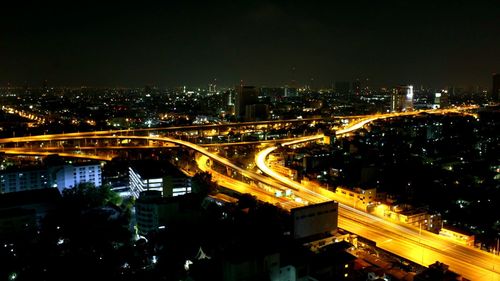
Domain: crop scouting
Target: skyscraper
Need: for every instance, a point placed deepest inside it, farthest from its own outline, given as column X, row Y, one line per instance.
column 356, row 87
column 495, row 90
column 290, row 91
column 444, row 101
column 245, row 95
column 256, row 112
column 343, row 88
column 402, row 98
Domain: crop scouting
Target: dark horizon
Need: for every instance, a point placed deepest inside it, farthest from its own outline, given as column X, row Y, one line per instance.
column 450, row 43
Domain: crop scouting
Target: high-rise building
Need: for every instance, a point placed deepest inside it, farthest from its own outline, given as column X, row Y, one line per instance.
column 257, row 112
column 343, row 88
column 276, row 94
column 290, row 92
column 402, row 99
column 441, row 99
column 495, row 90
column 356, row 87
column 230, row 98
column 445, row 99
column 245, row 95
column 212, row 87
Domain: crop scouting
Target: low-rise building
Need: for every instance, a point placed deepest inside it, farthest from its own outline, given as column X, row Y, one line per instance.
column 437, row 272
column 157, row 175
column 357, row 197
column 457, row 235
column 23, row 179
column 69, row 176
column 154, row 212
column 417, row 217
column 315, row 220
column 285, row 171
column 24, row 210
column 63, row 176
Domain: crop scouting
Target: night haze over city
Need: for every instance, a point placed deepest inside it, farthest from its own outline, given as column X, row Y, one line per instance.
column 250, row 140
column 170, row 43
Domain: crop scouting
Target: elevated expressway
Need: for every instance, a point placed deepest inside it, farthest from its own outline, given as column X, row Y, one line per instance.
column 409, row 242
column 100, row 136
column 419, row 246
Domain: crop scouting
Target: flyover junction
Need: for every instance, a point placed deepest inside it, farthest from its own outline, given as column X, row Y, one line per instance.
column 419, row 246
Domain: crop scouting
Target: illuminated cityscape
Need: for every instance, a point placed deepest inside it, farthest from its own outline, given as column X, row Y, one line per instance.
column 262, row 140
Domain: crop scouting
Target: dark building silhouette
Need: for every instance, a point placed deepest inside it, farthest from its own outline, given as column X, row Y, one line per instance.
column 343, row 88
column 22, row 212
column 245, row 96
column 495, row 90
column 256, row 112
column 445, row 99
column 290, row 91
column 437, row 272
column 356, row 87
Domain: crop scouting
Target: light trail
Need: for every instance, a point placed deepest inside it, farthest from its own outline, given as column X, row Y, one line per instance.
column 192, row 146
column 419, row 246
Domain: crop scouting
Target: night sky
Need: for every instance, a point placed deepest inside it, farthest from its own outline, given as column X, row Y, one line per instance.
column 173, row 43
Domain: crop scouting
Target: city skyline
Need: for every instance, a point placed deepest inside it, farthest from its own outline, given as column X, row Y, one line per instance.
column 274, row 140
column 261, row 43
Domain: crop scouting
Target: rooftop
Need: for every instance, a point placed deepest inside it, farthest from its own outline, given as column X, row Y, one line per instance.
column 150, row 169
column 36, row 196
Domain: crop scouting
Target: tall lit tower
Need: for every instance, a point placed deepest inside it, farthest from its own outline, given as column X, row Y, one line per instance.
column 402, row 99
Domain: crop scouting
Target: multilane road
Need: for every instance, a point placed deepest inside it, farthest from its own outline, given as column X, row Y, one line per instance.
column 75, row 136
column 419, row 246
